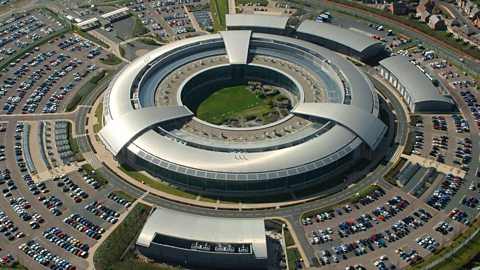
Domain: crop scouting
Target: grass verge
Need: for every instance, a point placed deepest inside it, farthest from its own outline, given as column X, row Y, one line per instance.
column 17, row 267
column 288, row 238
column 139, row 28
column 396, row 167
column 108, row 254
column 408, row 144
column 156, row 184
column 461, row 257
column 89, row 169
column 86, row 35
column 125, row 195
column 99, row 115
column 352, row 199
column 87, row 88
column 130, row 262
column 122, row 51
column 111, row 59
column 293, row 255
column 73, row 143
column 148, row 41
column 218, row 9
column 13, row 5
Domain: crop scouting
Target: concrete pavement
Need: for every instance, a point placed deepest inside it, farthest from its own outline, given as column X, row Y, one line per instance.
column 437, row 165
column 231, row 7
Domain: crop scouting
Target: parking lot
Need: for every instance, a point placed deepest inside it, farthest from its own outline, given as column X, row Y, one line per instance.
column 43, row 80
column 438, row 138
column 354, row 230
column 169, row 20
column 22, row 30
column 34, row 209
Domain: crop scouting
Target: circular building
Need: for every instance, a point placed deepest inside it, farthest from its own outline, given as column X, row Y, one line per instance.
column 324, row 121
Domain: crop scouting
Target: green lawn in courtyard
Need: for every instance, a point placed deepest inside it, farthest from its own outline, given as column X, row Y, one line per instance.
column 231, row 102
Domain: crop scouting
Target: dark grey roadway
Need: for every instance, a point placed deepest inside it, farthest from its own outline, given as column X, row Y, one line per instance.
column 469, row 65
column 454, row 10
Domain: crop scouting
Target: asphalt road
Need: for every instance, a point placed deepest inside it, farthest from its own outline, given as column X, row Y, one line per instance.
column 469, row 65
column 458, row 15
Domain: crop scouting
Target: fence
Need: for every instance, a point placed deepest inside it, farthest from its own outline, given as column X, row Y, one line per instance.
column 451, row 252
column 443, row 53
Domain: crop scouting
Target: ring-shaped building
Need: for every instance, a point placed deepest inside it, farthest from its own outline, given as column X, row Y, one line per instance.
column 149, row 121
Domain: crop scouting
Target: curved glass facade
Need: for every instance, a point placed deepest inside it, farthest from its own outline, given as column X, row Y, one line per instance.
column 272, row 182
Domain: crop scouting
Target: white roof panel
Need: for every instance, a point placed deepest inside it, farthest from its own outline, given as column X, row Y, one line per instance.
column 415, row 82
column 177, row 153
column 363, row 123
column 236, row 44
column 337, row 34
column 205, row 228
column 119, row 132
column 256, row 20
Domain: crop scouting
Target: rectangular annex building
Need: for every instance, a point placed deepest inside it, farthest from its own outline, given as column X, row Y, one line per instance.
column 416, row 89
column 203, row 241
column 270, row 24
column 339, row 39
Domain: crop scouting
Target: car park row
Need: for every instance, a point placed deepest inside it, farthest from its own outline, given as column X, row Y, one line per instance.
column 44, row 257
column 63, row 240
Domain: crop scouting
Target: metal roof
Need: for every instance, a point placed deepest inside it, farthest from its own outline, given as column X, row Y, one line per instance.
column 115, row 12
column 119, row 95
column 320, row 151
column 362, row 91
column 87, row 22
column 205, row 228
column 321, row 147
column 415, row 82
column 337, row 34
column 119, row 132
column 359, row 121
column 236, row 44
column 256, row 20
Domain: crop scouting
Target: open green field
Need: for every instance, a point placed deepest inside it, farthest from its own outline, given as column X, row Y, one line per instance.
column 231, row 102
column 219, row 8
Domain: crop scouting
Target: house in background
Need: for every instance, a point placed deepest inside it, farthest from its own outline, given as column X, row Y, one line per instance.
column 425, row 5
column 436, row 22
column 398, row 8
column 453, row 23
column 424, row 16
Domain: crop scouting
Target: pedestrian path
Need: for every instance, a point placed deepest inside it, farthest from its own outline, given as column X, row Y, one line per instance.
column 437, row 165
column 143, row 196
column 92, row 160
